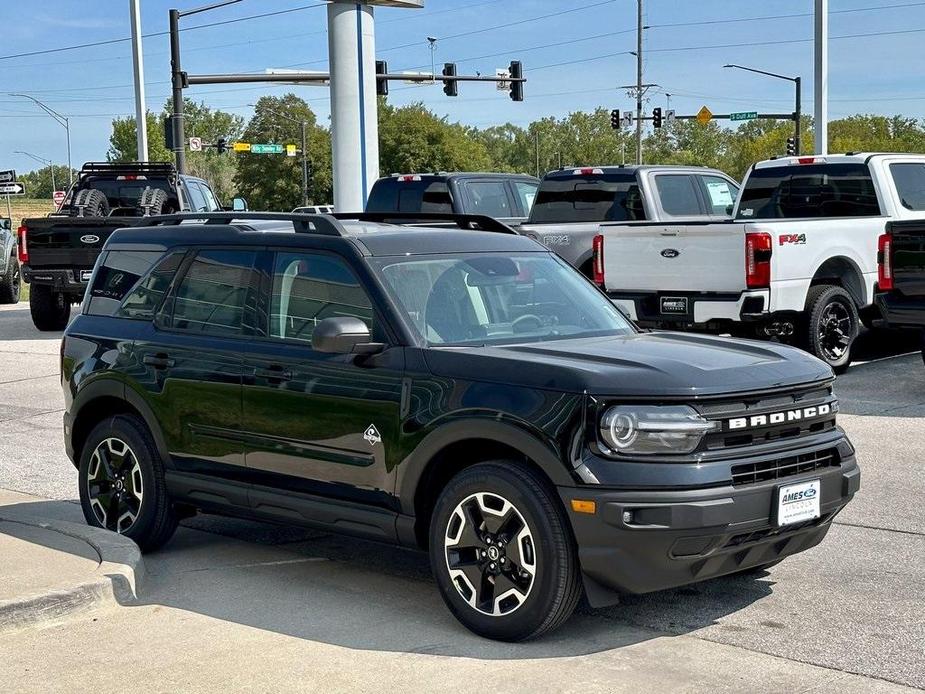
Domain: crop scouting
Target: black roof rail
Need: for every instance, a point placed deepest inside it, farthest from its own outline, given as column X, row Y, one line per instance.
column 323, row 224
column 133, row 166
column 478, row 222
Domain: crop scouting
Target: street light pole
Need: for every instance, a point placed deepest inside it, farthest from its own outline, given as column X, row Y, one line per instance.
column 62, row 121
column 797, row 113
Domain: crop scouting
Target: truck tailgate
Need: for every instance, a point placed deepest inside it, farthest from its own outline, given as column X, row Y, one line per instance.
column 690, row 256
column 908, row 238
column 70, row 242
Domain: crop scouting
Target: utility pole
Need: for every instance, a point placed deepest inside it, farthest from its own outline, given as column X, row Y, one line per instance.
column 176, row 78
column 536, row 142
column 638, row 81
column 141, row 118
column 821, row 50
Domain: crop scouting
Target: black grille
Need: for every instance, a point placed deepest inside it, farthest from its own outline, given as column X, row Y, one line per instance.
column 765, row 533
column 777, row 468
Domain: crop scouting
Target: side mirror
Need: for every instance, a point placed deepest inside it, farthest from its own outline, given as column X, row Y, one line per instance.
column 239, row 205
column 344, row 335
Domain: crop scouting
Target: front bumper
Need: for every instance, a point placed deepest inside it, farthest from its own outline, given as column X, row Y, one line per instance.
column 703, row 308
column 680, row 537
column 63, row 280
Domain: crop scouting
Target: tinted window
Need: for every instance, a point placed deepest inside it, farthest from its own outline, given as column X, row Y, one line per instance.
column 678, row 195
column 606, row 197
column 527, row 192
column 217, row 296
column 910, row 185
column 392, row 195
column 308, row 288
column 210, row 201
column 489, row 198
column 148, row 294
column 810, row 190
column 197, row 199
column 116, row 276
column 720, row 194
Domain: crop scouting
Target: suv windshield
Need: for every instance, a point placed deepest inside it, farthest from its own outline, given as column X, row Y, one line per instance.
column 588, row 198
column 486, row 298
column 809, row 190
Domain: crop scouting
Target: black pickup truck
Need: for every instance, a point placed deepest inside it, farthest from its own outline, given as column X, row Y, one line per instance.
column 901, row 276
column 57, row 252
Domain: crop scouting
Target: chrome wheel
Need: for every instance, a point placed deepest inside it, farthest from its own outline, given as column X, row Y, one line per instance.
column 835, row 331
column 490, row 554
column 115, row 488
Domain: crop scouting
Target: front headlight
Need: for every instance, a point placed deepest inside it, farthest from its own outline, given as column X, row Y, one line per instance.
column 653, row 430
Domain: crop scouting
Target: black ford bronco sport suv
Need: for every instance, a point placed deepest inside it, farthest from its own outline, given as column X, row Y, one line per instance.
column 461, row 390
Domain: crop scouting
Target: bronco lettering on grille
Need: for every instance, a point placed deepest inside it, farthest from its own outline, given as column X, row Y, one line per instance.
column 784, row 417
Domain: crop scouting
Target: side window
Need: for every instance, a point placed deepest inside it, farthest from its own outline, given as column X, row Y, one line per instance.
column 719, row 193
column 489, row 198
column 197, row 201
column 678, row 195
column 217, row 295
column 308, row 288
column 909, row 180
column 526, row 191
column 207, row 195
column 148, row 294
column 117, row 275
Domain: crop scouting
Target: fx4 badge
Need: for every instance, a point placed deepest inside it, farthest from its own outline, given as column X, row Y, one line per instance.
column 792, row 239
column 372, row 435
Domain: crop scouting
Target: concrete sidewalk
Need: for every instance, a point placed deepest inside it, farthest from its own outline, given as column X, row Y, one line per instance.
column 53, row 567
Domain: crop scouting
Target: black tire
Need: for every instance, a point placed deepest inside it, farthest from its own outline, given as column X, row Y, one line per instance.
column 831, row 326
column 91, row 203
column 50, row 310
column 546, row 599
column 10, row 282
column 125, row 484
column 151, row 202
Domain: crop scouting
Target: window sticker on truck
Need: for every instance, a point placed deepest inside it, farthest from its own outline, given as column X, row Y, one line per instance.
column 797, row 239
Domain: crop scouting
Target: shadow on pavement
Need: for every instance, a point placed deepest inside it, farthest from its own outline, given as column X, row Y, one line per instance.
column 367, row 596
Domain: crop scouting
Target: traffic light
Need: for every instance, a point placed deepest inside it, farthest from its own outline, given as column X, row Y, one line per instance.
column 449, row 85
column 382, row 85
column 221, row 146
column 516, row 73
column 791, row 146
column 168, row 133
column 615, row 119
column 657, row 117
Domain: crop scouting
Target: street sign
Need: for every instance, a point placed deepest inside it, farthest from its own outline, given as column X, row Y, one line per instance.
column 627, row 119
column 266, row 149
column 13, row 188
column 669, row 116
column 241, row 146
column 195, row 144
column 291, row 150
column 58, row 197
column 7, row 176
column 503, row 74
column 743, row 115
column 704, row 115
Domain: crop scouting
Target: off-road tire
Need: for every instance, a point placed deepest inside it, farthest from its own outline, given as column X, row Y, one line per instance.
column 90, row 203
column 151, row 202
column 50, row 309
column 556, row 586
column 156, row 520
column 10, row 282
column 821, row 302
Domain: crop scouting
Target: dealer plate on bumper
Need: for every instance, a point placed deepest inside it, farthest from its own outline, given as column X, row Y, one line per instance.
column 674, row 305
column 797, row 503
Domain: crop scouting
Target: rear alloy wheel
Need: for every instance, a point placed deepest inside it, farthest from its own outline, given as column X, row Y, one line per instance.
column 502, row 552
column 115, row 486
column 832, row 325
column 10, row 282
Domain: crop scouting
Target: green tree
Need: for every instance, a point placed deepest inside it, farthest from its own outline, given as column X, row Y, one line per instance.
column 211, row 125
column 38, row 182
column 123, row 143
column 274, row 181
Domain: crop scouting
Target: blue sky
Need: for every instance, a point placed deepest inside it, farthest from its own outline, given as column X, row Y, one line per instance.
column 878, row 73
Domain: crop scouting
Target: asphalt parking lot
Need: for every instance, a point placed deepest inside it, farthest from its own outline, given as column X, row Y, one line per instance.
column 855, row 605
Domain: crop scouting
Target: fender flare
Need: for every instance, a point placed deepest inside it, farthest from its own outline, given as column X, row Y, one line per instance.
column 846, row 256
column 412, row 468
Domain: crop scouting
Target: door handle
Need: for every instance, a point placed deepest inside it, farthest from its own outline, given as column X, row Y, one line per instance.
column 274, row 374
column 158, row 361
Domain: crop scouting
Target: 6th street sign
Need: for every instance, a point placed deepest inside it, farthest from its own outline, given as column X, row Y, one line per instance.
column 14, row 188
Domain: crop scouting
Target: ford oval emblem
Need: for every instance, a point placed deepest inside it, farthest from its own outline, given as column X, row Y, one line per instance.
column 89, row 238
column 671, row 253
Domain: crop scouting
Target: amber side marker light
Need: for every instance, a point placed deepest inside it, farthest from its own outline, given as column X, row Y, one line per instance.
column 583, row 506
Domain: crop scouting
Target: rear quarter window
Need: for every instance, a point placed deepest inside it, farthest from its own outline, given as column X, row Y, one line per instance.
column 909, row 180
column 118, row 274
column 595, row 198
column 392, row 195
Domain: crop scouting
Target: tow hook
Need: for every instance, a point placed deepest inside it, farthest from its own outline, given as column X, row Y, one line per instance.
column 778, row 329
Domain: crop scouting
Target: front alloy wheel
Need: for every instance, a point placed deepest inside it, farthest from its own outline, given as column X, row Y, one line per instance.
column 115, row 486
column 490, row 554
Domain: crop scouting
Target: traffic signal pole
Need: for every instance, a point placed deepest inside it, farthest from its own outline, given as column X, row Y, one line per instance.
column 176, row 78
column 639, row 81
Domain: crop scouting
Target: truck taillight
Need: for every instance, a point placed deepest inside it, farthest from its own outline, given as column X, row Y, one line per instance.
column 598, row 260
column 757, row 260
column 885, row 262
column 23, row 247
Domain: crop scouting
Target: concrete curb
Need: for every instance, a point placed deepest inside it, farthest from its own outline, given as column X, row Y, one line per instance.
column 116, row 580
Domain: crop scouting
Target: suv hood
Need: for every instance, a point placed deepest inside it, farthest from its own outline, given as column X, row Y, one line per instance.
column 644, row 364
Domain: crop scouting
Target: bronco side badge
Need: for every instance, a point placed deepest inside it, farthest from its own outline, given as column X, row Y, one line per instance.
column 372, row 435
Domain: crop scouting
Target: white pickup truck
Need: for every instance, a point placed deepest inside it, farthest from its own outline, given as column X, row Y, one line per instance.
column 797, row 262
